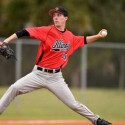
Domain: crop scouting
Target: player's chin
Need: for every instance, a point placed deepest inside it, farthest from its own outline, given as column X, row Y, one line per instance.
column 56, row 24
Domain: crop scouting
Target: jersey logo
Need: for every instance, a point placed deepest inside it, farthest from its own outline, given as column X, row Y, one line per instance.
column 59, row 45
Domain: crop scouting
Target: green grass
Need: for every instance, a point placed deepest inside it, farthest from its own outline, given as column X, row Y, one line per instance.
column 41, row 104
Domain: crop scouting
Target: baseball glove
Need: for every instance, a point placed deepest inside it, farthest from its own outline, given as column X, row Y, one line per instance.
column 6, row 51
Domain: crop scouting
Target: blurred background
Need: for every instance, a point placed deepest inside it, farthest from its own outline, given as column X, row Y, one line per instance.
column 104, row 65
column 99, row 65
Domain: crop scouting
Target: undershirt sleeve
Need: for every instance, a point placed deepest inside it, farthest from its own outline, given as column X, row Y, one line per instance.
column 85, row 41
column 22, row 33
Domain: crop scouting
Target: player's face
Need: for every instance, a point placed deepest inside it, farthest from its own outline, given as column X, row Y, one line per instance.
column 59, row 19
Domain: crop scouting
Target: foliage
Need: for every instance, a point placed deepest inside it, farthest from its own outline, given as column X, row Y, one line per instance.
column 85, row 17
column 16, row 14
column 109, row 14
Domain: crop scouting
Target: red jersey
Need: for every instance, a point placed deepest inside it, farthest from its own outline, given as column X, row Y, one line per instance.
column 55, row 47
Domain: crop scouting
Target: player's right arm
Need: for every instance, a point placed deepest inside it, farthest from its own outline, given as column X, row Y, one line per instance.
column 93, row 38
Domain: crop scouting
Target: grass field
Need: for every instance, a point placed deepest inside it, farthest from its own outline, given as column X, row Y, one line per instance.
column 41, row 104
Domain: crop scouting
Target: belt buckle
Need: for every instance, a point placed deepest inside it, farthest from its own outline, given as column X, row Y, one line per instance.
column 50, row 71
column 45, row 70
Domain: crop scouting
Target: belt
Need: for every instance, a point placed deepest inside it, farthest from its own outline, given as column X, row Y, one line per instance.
column 48, row 70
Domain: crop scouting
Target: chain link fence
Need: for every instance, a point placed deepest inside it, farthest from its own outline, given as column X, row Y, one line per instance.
column 98, row 64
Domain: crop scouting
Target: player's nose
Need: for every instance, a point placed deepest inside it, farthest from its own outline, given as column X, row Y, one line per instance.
column 55, row 17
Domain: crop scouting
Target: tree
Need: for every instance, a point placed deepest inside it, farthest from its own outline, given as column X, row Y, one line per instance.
column 16, row 14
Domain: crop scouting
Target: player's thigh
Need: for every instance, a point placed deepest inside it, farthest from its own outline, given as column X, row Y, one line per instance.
column 28, row 83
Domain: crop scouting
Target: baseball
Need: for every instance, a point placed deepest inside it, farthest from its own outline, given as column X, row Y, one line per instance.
column 104, row 33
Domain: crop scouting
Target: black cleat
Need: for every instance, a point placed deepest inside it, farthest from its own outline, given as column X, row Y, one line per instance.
column 102, row 122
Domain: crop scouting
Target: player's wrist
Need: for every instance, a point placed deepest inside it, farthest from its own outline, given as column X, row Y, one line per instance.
column 2, row 43
column 99, row 36
column 6, row 42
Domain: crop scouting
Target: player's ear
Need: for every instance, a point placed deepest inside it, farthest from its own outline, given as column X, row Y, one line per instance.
column 66, row 18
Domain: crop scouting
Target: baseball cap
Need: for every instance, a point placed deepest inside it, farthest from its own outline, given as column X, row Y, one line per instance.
column 60, row 9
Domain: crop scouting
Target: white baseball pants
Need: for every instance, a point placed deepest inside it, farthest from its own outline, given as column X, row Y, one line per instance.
column 54, row 82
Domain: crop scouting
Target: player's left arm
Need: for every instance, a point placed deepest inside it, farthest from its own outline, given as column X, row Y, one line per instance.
column 15, row 36
column 102, row 34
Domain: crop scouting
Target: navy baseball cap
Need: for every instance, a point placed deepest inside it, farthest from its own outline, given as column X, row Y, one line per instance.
column 61, row 10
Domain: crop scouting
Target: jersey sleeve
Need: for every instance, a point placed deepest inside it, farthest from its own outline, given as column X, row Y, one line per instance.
column 39, row 33
column 78, row 41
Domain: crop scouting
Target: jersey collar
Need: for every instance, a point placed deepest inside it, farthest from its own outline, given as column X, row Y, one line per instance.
column 59, row 30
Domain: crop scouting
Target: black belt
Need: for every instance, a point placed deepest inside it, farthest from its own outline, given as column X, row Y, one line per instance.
column 48, row 70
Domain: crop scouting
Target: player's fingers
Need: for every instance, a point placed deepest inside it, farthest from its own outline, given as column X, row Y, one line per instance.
column 1, row 42
column 103, row 33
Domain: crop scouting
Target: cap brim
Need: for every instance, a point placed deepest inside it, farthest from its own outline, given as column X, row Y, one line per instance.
column 52, row 11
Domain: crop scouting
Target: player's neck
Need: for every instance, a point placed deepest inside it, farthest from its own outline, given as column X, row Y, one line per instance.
column 61, row 28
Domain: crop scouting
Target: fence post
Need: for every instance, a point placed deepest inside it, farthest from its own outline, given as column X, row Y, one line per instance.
column 84, row 67
column 18, row 65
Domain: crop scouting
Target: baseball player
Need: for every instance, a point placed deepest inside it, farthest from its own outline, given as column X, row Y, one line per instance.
column 57, row 44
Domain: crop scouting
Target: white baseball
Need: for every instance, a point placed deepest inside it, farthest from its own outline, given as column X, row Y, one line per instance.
column 104, row 33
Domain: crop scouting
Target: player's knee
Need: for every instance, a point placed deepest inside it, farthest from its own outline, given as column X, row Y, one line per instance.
column 75, row 106
column 14, row 88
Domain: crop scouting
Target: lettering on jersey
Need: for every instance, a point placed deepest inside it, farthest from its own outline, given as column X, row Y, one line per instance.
column 59, row 45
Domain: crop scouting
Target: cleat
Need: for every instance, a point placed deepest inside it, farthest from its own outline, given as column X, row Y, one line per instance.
column 102, row 122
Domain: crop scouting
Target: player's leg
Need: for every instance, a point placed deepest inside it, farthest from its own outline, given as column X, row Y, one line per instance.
column 26, row 84
column 58, row 86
